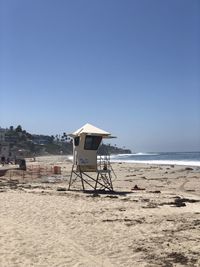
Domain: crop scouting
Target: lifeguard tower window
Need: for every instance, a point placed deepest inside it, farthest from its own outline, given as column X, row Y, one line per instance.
column 92, row 142
column 76, row 140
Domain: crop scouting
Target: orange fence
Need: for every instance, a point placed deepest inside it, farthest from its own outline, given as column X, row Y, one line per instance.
column 33, row 172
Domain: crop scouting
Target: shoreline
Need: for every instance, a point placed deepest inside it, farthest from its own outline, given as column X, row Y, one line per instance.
column 148, row 162
column 160, row 162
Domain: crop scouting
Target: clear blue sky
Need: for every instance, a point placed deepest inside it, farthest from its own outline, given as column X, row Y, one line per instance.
column 131, row 67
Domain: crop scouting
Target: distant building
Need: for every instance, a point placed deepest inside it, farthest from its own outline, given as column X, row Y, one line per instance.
column 41, row 139
column 5, row 148
column 5, row 151
column 2, row 134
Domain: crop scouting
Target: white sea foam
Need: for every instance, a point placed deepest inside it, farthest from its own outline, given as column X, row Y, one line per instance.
column 134, row 154
column 122, row 158
column 145, row 154
column 162, row 162
column 70, row 157
column 120, row 155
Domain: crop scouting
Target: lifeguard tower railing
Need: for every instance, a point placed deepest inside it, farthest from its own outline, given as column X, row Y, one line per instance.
column 103, row 162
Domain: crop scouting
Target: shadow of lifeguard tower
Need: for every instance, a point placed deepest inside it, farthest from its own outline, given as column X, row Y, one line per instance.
column 93, row 171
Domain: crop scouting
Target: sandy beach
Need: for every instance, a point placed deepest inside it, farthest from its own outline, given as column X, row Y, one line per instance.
column 42, row 224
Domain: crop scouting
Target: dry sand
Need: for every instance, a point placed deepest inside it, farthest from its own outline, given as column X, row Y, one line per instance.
column 43, row 226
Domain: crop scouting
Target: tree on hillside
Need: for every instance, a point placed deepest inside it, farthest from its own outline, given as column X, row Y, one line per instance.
column 18, row 129
column 52, row 139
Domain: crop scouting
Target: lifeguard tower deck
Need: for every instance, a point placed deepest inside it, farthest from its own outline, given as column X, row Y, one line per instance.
column 91, row 170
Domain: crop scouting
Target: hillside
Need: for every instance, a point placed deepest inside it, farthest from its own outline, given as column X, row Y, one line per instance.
column 26, row 144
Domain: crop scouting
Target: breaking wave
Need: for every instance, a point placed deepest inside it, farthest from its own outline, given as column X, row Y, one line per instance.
column 172, row 158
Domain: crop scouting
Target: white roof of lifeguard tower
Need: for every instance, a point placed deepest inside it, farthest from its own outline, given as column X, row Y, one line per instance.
column 90, row 129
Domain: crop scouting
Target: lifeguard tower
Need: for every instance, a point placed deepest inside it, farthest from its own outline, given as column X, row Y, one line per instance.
column 92, row 170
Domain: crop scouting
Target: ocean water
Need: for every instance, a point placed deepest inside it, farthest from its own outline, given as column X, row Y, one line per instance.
column 168, row 158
